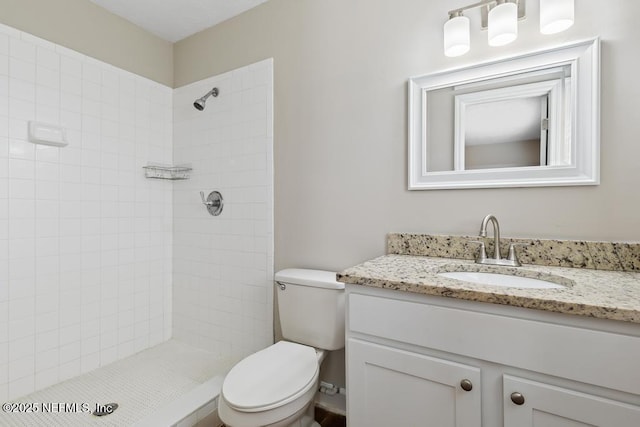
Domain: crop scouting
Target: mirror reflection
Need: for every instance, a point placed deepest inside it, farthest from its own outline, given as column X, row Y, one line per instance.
column 515, row 121
column 489, row 144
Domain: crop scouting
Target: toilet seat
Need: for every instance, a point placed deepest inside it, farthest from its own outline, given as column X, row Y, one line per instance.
column 271, row 377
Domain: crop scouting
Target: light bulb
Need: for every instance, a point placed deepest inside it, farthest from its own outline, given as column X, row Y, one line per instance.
column 556, row 15
column 503, row 24
column 456, row 36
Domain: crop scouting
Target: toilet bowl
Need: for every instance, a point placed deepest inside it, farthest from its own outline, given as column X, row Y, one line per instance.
column 273, row 387
column 276, row 386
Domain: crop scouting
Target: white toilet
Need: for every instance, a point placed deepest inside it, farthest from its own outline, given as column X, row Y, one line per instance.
column 276, row 386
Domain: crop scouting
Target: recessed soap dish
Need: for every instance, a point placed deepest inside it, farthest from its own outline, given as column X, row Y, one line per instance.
column 47, row 134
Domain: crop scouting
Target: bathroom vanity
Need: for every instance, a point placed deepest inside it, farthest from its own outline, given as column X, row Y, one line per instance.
column 423, row 349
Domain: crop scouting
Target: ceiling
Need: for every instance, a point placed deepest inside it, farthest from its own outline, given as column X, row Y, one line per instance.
column 174, row 20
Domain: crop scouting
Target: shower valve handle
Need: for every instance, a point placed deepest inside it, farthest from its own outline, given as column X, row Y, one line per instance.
column 213, row 202
column 204, row 201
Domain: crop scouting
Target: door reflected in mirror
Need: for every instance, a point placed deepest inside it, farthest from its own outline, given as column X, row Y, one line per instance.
column 488, row 144
column 520, row 121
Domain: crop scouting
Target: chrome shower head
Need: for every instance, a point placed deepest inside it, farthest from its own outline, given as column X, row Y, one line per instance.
column 199, row 103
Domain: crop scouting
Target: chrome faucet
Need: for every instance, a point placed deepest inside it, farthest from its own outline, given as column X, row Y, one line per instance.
column 512, row 258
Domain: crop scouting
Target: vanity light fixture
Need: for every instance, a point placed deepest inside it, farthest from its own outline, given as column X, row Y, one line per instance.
column 500, row 17
column 503, row 23
column 555, row 15
column 456, row 35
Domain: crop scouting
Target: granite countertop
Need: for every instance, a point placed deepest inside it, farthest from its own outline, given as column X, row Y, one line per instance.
column 601, row 294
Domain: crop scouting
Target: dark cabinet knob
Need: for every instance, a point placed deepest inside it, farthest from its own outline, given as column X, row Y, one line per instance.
column 517, row 398
column 466, row 385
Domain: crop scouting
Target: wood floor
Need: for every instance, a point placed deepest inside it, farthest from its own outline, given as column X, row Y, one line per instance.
column 329, row 419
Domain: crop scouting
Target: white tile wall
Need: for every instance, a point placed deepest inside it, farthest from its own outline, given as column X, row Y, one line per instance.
column 85, row 239
column 223, row 266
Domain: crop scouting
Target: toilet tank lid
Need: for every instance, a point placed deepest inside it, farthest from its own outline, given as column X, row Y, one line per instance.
column 307, row 277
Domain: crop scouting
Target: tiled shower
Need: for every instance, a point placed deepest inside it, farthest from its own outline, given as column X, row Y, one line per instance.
column 98, row 262
column 223, row 266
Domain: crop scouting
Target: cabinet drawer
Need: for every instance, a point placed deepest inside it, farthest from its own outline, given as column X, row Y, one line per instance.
column 594, row 357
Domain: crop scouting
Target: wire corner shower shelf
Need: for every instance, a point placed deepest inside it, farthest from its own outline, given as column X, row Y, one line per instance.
column 159, row 171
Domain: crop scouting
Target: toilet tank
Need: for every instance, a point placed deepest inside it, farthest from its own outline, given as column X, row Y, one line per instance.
column 311, row 307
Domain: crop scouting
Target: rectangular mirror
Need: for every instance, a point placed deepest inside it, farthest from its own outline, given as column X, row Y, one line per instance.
column 531, row 120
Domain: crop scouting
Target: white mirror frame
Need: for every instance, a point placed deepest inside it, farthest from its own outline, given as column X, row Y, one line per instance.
column 584, row 59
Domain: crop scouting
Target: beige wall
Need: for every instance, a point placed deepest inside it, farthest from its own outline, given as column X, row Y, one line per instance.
column 82, row 26
column 340, row 124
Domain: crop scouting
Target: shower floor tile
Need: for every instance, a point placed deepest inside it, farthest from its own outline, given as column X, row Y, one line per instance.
column 140, row 385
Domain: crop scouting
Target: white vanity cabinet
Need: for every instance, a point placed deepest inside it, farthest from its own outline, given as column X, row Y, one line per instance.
column 417, row 360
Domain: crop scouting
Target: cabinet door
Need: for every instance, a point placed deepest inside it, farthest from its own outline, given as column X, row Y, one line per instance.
column 549, row 406
column 392, row 387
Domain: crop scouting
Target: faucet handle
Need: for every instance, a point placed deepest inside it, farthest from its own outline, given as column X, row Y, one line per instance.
column 482, row 253
column 513, row 257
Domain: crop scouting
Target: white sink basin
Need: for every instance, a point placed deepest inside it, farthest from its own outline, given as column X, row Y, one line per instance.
column 505, row 280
